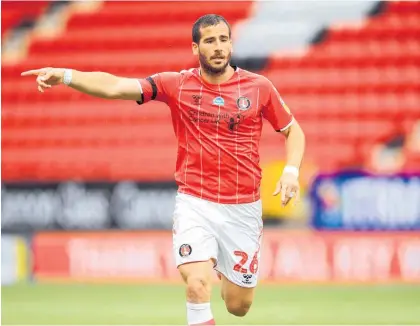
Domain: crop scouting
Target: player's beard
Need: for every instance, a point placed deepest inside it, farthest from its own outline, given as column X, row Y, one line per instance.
column 211, row 70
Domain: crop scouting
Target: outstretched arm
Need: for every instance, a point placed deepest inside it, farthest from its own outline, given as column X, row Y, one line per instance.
column 99, row 84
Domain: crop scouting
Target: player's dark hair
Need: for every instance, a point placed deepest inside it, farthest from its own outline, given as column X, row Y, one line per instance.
column 204, row 21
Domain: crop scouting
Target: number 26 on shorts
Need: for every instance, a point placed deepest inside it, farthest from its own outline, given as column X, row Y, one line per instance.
column 253, row 267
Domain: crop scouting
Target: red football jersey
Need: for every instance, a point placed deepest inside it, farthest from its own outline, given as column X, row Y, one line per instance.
column 218, row 128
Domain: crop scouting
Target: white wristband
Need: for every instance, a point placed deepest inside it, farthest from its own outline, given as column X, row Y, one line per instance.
column 67, row 76
column 291, row 169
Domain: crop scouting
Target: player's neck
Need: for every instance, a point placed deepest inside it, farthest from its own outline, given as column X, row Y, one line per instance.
column 216, row 78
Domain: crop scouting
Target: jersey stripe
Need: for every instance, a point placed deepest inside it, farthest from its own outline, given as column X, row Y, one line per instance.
column 252, row 133
column 236, row 145
column 201, row 144
column 186, row 138
column 217, row 141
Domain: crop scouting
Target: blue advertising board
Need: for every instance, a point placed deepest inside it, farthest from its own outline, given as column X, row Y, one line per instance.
column 362, row 201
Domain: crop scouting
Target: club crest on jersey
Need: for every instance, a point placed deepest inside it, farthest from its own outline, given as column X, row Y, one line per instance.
column 185, row 250
column 219, row 101
column 243, row 103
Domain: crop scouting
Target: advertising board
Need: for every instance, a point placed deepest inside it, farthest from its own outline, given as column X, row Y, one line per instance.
column 286, row 256
column 360, row 201
column 87, row 206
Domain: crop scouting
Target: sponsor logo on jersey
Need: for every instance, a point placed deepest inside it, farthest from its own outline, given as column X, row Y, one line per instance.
column 243, row 103
column 185, row 250
column 234, row 121
column 219, row 101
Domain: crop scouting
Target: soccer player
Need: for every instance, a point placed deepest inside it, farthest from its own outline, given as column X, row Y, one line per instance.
column 217, row 113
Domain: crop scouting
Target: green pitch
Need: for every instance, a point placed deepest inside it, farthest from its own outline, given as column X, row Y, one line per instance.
column 73, row 304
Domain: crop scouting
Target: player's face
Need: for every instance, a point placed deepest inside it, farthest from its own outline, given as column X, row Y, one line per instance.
column 215, row 48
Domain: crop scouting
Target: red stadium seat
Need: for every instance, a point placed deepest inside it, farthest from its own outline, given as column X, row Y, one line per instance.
column 403, row 7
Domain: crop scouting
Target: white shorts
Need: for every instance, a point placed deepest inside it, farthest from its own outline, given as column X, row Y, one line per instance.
column 229, row 233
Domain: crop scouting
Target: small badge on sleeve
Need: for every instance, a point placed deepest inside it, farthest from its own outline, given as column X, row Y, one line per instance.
column 185, row 250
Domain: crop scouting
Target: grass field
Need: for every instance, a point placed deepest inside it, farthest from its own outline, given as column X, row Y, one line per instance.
column 73, row 304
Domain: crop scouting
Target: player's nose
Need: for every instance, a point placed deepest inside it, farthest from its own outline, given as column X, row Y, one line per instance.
column 218, row 45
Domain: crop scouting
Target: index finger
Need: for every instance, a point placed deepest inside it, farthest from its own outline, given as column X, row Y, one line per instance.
column 34, row 72
column 283, row 193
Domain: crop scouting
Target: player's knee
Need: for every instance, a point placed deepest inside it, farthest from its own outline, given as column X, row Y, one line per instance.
column 198, row 289
column 238, row 308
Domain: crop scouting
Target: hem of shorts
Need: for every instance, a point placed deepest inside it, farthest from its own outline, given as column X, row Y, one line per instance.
column 236, row 283
column 199, row 261
column 247, row 199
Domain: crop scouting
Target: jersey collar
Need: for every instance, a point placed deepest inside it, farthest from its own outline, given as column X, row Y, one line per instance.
column 233, row 78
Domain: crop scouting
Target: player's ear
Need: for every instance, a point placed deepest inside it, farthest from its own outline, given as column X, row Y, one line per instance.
column 195, row 48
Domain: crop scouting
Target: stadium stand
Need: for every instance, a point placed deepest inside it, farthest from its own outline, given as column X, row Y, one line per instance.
column 66, row 135
column 16, row 13
column 356, row 87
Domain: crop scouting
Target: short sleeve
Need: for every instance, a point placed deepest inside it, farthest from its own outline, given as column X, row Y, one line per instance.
column 159, row 87
column 275, row 110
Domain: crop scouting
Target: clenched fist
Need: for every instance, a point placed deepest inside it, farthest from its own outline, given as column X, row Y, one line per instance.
column 46, row 77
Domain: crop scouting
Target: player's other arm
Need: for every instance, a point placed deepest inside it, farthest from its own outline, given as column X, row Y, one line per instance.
column 98, row 84
column 282, row 120
column 288, row 185
column 295, row 145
